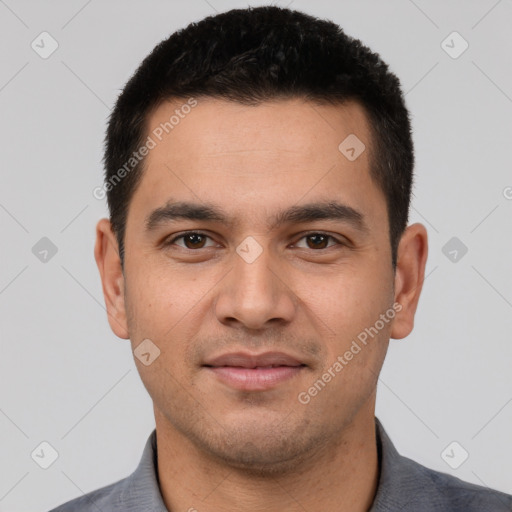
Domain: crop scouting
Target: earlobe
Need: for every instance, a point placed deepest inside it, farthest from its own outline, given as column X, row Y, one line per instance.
column 409, row 277
column 106, row 253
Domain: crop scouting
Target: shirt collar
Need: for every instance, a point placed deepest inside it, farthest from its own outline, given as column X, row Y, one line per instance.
column 142, row 487
column 396, row 475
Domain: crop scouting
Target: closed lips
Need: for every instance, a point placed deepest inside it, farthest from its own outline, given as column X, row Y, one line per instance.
column 254, row 372
column 251, row 361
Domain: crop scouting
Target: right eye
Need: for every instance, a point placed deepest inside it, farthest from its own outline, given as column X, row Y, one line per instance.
column 195, row 239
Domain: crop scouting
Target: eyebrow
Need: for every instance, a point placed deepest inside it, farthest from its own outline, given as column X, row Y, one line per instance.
column 323, row 210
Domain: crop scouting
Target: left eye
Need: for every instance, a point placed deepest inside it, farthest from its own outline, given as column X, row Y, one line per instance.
column 319, row 240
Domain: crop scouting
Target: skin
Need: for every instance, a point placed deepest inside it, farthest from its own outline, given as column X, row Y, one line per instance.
column 221, row 448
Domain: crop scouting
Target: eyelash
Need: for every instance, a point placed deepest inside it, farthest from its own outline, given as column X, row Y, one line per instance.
column 183, row 235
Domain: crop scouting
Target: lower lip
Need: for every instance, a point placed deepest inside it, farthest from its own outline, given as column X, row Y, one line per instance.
column 255, row 379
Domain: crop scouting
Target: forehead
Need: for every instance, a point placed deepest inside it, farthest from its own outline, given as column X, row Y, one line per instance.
column 225, row 127
column 254, row 159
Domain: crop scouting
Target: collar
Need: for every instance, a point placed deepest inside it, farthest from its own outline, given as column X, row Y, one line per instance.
column 398, row 478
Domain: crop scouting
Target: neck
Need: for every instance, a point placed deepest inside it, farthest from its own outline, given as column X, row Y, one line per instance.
column 340, row 476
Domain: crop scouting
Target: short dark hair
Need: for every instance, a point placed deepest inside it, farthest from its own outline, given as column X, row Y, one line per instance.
column 254, row 55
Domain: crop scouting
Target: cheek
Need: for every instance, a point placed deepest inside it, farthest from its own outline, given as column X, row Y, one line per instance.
column 167, row 309
column 350, row 299
column 350, row 308
column 156, row 298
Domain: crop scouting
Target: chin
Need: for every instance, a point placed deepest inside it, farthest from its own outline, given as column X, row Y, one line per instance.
column 256, row 459
column 261, row 448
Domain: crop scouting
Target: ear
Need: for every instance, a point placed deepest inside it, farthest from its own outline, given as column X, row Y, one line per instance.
column 409, row 276
column 106, row 253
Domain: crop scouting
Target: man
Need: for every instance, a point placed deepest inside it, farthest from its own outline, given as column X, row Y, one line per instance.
column 258, row 175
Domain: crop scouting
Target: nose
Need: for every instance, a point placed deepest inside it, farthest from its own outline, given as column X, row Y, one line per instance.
column 255, row 293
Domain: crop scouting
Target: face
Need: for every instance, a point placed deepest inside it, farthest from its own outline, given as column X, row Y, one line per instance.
column 256, row 292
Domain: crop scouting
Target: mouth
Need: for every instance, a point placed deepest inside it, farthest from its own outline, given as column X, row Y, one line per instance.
column 250, row 372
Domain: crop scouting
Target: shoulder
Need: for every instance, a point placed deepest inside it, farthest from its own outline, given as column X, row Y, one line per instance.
column 407, row 485
column 440, row 491
column 105, row 499
column 139, row 491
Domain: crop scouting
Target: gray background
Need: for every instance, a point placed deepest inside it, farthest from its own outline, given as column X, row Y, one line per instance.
column 67, row 380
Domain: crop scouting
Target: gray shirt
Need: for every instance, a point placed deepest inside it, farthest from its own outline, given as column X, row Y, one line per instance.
column 404, row 485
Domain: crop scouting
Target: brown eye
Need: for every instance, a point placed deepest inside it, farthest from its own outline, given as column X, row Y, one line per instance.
column 318, row 240
column 191, row 240
column 194, row 241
